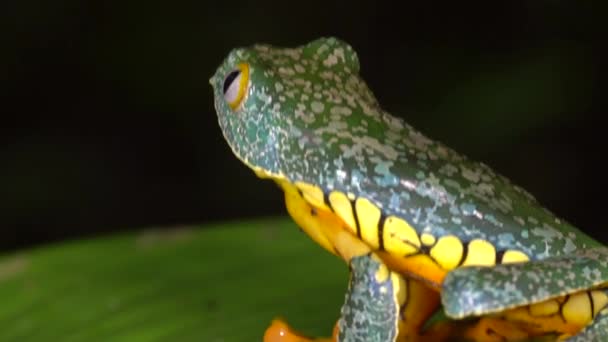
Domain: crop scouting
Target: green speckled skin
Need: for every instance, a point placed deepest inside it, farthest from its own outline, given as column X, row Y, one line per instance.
column 308, row 116
column 370, row 310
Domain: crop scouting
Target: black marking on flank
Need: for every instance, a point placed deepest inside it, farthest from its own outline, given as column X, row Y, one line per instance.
column 313, row 211
column 380, row 229
column 426, row 249
column 499, row 255
column 327, row 202
column 561, row 308
column 591, row 304
column 230, row 78
column 403, row 306
column 465, row 253
column 356, row 217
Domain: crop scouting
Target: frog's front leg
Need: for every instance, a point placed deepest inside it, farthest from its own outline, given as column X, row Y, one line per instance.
column 566, row 295
column 380, row 306
column 372, row 306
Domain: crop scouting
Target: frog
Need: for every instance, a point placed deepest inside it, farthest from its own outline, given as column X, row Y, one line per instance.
column 424, row 230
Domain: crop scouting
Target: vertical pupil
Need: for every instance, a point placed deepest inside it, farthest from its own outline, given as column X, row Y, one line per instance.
column 230, row 78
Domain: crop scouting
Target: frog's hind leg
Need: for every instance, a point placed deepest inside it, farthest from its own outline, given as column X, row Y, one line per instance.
column 563, row 295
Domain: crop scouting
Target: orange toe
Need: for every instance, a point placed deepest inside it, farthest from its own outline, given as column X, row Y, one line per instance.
column 279, row 331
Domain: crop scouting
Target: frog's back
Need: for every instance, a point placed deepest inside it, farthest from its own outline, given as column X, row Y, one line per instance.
column 398, row 190
column 369, row 154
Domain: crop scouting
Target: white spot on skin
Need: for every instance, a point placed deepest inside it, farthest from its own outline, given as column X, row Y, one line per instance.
column 341, row 175
column 317, row 106
column 340, row 110
column 408, row 184
column 471, row 175
column 388, row 151
column 569, row 247
column 286, row 71
column 334, row 58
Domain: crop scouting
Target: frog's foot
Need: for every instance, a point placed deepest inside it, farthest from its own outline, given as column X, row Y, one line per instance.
column 279, row 331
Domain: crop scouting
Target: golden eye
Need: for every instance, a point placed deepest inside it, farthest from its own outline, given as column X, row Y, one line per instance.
column 235, row 85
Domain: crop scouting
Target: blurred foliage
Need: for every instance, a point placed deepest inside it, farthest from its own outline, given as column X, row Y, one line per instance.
column 110, row 123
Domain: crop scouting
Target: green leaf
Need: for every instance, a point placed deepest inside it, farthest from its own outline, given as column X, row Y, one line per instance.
column 222, row 282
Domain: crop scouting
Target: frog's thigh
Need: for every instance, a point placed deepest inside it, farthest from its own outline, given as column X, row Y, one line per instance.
column 555, row 295
column 477, row 291
column 596, row 331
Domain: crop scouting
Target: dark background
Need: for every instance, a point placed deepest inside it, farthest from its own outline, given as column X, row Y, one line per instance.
column 108, row 124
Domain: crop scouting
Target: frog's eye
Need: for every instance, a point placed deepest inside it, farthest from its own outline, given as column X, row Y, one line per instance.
column 235, row 85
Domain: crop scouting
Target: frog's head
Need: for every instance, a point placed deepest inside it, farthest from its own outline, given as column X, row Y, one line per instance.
column 271, row 102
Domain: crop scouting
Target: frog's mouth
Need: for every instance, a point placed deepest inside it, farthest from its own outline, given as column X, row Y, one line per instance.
column 258, row 170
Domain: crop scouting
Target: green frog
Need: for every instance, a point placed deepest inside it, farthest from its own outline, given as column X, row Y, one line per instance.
column 423, row 229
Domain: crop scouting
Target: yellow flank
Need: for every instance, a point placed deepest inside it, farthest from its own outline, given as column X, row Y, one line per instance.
column 427, row 239
column 447, row 251
column 417, row 266
column 600, row 299
column 300, row 211
column 368, row 216
column 577, row 309
column 323, row 226
column 546, row 308
column 347, row 244
column 312, row 194
column 343, row 208
column 513, row 256
column 399, row 237
column 480, row 253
